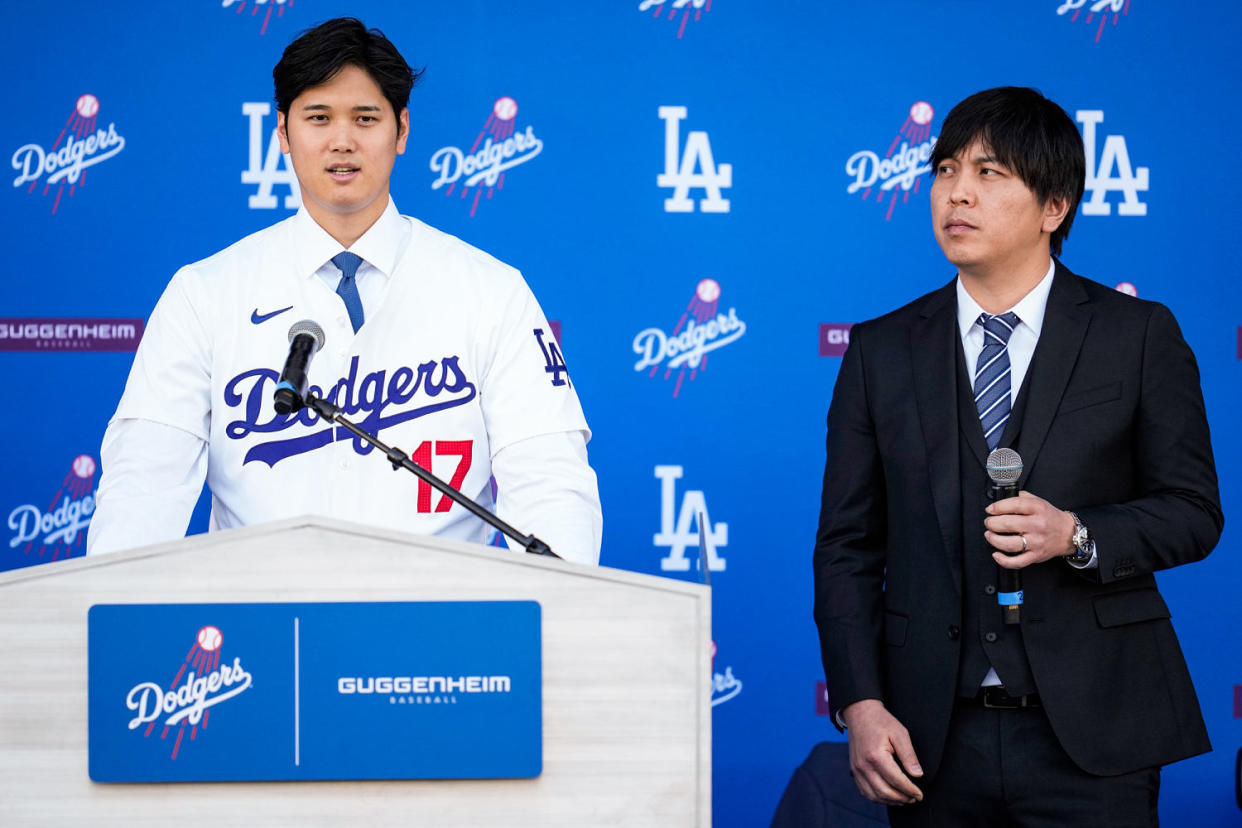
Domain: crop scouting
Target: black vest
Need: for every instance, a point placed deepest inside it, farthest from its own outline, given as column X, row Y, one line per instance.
column 986, row 640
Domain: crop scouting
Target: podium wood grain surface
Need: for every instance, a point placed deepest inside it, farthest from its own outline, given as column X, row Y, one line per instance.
column 626, row 683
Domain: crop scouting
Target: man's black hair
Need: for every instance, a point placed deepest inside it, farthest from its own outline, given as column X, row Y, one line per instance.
column 1027, row 133
column 319, row 53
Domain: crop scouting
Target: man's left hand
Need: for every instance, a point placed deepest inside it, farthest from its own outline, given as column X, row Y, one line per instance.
column 1048, row 531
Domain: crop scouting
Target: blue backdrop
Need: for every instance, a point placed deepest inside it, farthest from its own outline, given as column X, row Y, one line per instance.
column 738, row 181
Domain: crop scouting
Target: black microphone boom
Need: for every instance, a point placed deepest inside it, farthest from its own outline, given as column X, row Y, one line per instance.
column 305, row 340
column 1004, row 467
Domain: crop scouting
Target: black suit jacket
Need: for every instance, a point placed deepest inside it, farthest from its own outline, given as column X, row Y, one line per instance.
column 1111, row 425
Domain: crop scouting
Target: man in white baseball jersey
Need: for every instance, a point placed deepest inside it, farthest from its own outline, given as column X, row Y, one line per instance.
column 429, row 342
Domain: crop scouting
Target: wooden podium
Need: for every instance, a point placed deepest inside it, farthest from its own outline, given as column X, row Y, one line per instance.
column 626, row 683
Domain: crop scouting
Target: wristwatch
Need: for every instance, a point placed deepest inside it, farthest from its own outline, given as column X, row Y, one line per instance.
column 1083, row 544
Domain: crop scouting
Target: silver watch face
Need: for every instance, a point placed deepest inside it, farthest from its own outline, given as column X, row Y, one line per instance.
column 1080, row 538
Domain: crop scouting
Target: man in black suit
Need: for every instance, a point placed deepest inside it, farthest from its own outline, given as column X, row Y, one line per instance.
column 954, row 717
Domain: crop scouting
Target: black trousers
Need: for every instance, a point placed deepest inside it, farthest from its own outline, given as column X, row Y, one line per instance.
column 1006, row 768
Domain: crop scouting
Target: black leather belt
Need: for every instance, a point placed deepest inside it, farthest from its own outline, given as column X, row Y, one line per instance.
column 996, row 698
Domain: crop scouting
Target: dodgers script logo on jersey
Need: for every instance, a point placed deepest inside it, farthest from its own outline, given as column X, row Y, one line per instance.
column 1110, row 171
column 903, row 165
column 208, row 682
column 59, row 531
column 81, row 144
column 498, row 147
column 684, row 6
column 697, row 169
column 255, row 5
column 1074, row 9
column 434, row 386
column 268, row 167
column 684, row 532
column 701, row 329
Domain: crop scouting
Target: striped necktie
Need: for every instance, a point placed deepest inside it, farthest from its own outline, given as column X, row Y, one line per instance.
column 992, row 398
column 348, row 264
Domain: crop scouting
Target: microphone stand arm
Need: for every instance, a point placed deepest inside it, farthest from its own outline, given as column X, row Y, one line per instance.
column 400, row 460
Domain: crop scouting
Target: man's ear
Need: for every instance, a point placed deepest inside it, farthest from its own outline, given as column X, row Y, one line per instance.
column 1055, row 211
column 403, row 129
column 282, row 132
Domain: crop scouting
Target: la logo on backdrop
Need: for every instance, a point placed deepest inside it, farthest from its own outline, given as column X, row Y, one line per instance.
column 680, row 527
column 81, row 144
column 697, row 168
column 657, row 8
column 207, row 683
column 903, row 165
column 268, row 166
column 498, row 147
column 59, row 531
column 702, row 328
column 1072, row 10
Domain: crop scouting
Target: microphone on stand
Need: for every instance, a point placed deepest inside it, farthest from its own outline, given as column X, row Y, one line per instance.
column 1004, row 467
column 305, row 340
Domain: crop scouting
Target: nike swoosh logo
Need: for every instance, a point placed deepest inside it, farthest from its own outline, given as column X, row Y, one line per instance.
column 259, row 318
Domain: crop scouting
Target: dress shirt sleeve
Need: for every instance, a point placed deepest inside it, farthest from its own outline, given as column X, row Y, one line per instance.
column 547, row 489
column 152, row 476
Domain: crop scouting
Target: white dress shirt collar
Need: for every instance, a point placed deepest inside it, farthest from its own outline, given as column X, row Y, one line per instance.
column 1030, row 309
column 379, row 246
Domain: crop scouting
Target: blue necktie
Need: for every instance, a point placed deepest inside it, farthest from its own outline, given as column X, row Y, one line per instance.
column 348, row 264
column 992, row 376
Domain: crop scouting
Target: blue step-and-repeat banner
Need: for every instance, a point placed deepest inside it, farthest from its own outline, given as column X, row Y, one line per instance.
column 705, row 194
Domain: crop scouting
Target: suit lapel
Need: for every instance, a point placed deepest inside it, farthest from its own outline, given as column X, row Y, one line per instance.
column 933, row 353
column 1060, row 341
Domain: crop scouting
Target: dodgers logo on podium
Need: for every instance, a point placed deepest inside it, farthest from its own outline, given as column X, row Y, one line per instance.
column 249, row 692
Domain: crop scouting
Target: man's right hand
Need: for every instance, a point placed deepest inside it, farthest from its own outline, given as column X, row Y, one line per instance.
column 879, row 750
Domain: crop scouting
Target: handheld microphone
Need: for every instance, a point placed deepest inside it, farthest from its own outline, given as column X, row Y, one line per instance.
column 1004, row 467
column 305, row 340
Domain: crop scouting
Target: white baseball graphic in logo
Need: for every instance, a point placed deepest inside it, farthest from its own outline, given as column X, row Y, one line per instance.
column 87, row 106
column 921, row 113
column 708, row 290
column 84, row 466
column 209, row 638
column 505, row 108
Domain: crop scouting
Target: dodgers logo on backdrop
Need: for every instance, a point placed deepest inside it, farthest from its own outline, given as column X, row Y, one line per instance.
column 498, row 147
column 1110, row 171
column 725, row 685
column 269, row 167
column 674, row 6
column 904, row 164
column 1094, row 7
column 697, row 169
column 208, row 682
column 81, row 144
column 679, row 526
column 702, row 328
column 435, row 386
column 59, row 531
column 255, row 5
